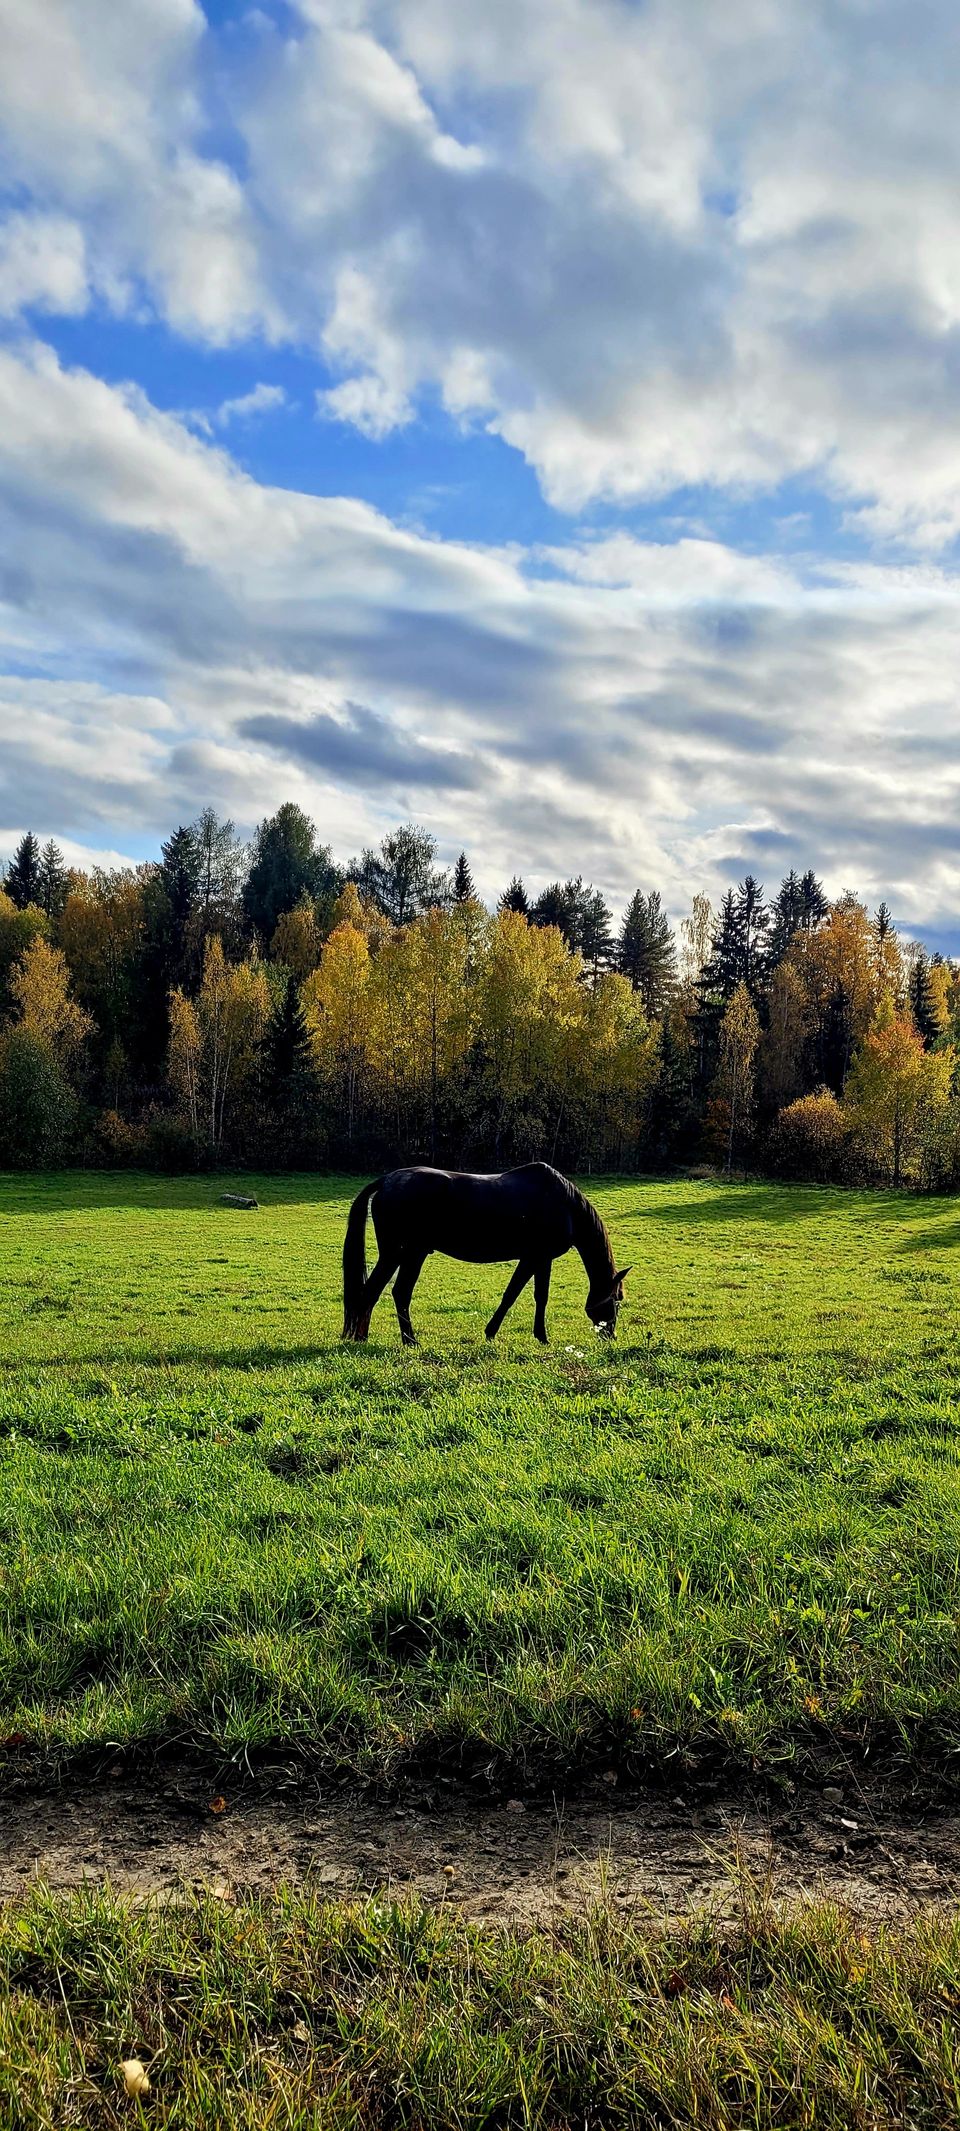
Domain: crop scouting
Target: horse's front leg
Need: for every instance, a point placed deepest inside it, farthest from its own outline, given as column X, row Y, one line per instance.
column 541, row 1296
column 411, row 1267
column 515, row 1286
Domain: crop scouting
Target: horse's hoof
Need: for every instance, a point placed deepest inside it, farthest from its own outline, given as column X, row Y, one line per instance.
column 542, row 1338
column 490, row 1331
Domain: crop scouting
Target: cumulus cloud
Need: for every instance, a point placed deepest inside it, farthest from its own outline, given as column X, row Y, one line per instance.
column 647, row 712
column 651, row 247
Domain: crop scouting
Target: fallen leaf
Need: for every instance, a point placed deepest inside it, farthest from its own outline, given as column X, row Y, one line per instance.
column 134, row 2076
column 218, row 1805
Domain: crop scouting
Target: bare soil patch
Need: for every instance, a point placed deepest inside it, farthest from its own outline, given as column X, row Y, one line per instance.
column 517, row 1862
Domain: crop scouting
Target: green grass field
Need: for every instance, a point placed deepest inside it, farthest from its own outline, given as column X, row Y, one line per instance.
column 730, row 1540
column 375, row 2018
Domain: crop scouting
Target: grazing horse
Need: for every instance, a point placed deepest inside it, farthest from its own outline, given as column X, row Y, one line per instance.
column 532, row 1214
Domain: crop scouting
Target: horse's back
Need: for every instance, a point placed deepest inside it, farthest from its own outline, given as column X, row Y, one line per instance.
column 477, row 1216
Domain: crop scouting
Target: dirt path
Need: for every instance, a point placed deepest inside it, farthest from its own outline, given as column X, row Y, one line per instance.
column 517, row 1863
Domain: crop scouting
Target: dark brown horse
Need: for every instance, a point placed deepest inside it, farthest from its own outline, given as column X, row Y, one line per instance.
column 532, row 1214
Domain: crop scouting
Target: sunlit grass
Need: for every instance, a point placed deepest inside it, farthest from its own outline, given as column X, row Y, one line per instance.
column 732, row 1538
column 294, row 2013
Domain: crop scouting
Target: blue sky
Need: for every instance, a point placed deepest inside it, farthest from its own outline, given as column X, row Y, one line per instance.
column 538, row 421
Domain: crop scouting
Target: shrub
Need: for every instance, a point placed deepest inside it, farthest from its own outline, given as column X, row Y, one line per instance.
column 809, row 1139
column 38, row 1110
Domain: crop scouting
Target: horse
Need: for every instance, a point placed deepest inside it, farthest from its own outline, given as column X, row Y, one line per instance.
column 532, row 1214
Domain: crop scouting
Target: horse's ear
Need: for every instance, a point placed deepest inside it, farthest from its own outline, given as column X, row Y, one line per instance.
column 622, row 1276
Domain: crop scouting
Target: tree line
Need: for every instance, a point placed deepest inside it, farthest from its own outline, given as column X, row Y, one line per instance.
column 268, row 1005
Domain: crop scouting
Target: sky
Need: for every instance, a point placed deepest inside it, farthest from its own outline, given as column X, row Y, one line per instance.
column 538, row 420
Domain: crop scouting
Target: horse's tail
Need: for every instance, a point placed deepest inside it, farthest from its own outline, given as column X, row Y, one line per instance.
column 355, row 1325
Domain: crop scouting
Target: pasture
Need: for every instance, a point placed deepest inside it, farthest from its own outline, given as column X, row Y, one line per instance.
column 728, row 1542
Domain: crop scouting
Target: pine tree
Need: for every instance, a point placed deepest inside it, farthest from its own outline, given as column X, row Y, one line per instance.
column 22, row 882
column 463, row 888
column 515, row 898
column 646, row 953
column 53, row 880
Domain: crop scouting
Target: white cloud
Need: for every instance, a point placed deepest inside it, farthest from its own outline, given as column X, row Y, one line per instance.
column 652, row 246
column 643, row 712
column 261, row 399
column 42, row 264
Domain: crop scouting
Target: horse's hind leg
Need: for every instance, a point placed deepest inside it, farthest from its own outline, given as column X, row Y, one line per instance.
column 515, row 1286
column 541, row 1293
column 383, row 1272
column 411, row 1267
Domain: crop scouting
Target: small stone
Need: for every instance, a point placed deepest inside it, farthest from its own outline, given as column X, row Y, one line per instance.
column 515, row 1805
column 832, row 1796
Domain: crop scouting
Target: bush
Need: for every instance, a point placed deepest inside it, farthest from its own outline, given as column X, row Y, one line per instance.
column 38, row 1109
column 809, row 1141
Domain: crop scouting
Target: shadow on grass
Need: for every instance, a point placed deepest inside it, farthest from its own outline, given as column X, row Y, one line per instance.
column 118, row 1190
column 187, row 1357
column 946, row 1237
column 779, row 1205
column 256, row 1356
column 716, row 1203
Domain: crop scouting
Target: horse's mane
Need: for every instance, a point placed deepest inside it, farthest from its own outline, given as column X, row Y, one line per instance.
column 590, row 1231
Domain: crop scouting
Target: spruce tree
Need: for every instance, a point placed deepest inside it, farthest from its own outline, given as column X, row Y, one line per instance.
column 595, row 934
column 754, row 921
column 923, row 1004
column 814, row 903
column 646, row 953
column 22, row 881
column 515, row 898
column 724, row 970
column 291, row 1084
column 289, row 1056
column 287, row 863
column 463, row 888
column 786, row 917
column 53, row 880
column 555, row 906
column 179, row 899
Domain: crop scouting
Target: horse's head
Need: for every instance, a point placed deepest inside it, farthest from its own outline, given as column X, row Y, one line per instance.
column 604, row 1309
